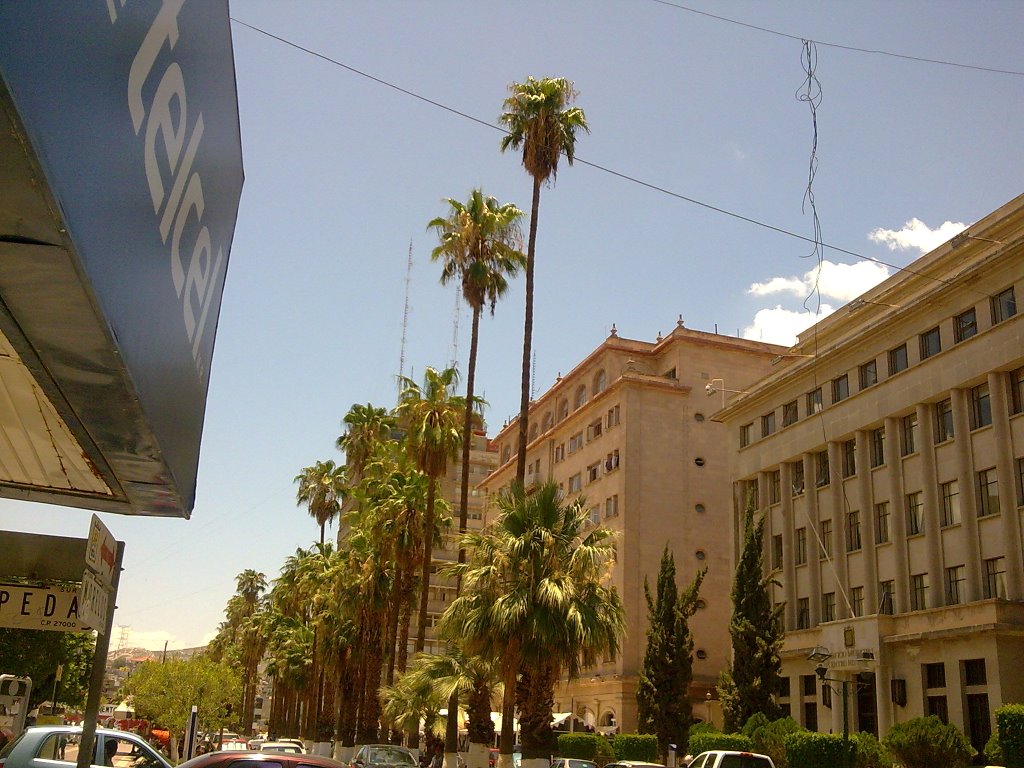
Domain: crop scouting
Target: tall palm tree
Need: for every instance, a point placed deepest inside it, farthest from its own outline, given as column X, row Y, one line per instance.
column 365, row 427
column 322, row 490
column 431, row 416
column 540, row 119
column 536, row 603
column 479, row 246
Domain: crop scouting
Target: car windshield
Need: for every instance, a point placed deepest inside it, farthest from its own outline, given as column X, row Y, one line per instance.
column 390, row 756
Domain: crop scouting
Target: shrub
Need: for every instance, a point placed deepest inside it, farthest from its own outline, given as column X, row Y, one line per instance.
column 770, row 738
column 703, row 741
column 1010, row 727
column 925, row 742
column 993, row 752
column 754, row 722
column 583, row 746
column 636, row 746
column 814, row 750
column 869, row 752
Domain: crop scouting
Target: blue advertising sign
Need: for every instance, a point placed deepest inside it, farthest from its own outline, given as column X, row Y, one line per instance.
column 130, row 114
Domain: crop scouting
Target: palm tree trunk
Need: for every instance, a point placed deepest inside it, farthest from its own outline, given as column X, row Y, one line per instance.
column 535, row 697
column 508, row 711
column 405, row 616
column 391, row 634
column 524, row 400
column 369, row 721
column 428, row 554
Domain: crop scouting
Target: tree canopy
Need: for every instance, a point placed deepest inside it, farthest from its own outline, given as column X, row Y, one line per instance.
column 165, row 692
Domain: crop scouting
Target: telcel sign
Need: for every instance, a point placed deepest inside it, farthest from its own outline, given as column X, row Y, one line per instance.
column 121, row 178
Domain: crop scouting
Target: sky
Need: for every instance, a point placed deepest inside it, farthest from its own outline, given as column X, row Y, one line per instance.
column 688, row 198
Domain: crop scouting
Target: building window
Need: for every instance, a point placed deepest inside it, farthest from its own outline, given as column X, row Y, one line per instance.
column 881, row 522
column 745, row 435
column 886, row 590
column 852, row 531
column 775, row 487
column 611, row 506
column 809, row 686
column 811, row 713
column 828, row 606
column 979, row 722
column 995, row 578
column 935, row 675
column 950, row 503
column 955, row 586
column 974, row 672
column 988, row 493
column 613, row 417
column 797, row 472
column 803, row 613
column 575, row 442
column 931, row 343
column 1004, row 306
column 825, row 527
column 1020, row 482
column 898, row 359
column 877, row 447
column 857, row 600
column 581, row 397
column 1017, row 390
column 560, row 452
column 600, row 381
column 918, row 591
column 826, row 695
column 868, row 374
column 849, row 458
column 814, row 402
column 800, row 556
column 915, row 514
column 909, row 431
column 593, row 471
column 563, row 410
column 981, row 407
column 767, row 424
column 575, row 483
column 777, row 551
column 821, row 469
column 595, row 429
column 790, row 416
column 936, row 705
column 944, row 421
column 965, row 325
column 611, row 461
column 840, row 388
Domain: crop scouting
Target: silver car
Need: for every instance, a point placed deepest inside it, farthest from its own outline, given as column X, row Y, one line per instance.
column 56, row 746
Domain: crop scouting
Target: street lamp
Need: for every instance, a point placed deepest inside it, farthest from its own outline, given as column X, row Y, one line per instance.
column 820, row 654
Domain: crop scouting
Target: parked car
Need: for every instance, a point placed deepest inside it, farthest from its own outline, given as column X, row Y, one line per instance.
column 633, row 764
column 289, row 740
column 283, row 746
column 572, row 762
column 381, row 756
column 51, row 746
column 721, row 758
column 259, row 760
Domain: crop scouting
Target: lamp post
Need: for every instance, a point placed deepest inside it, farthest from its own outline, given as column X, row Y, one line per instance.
column 820, row 655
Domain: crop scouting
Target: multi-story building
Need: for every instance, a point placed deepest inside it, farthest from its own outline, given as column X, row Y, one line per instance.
column 629, row 429
column 886, row 453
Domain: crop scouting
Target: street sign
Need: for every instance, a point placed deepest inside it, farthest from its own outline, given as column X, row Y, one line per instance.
column 100, row 551
column 93, row 599
column 25, row 607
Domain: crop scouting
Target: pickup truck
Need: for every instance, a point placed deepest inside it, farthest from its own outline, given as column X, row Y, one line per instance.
column 719, row 758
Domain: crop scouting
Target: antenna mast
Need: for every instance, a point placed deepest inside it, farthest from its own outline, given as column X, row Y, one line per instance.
column 455, row 326
column 405, row 312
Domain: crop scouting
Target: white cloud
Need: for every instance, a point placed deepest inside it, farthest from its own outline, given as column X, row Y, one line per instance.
column 840, row 282
column 736, row 151
column 781, row 326
column 917, row 234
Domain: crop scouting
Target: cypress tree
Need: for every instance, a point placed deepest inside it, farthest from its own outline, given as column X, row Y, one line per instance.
column 663, row 700
column 756, row 629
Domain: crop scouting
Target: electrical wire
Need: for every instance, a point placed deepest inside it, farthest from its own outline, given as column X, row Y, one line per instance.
column 855, row 49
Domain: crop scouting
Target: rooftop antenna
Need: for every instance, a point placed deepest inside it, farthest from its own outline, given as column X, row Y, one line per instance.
column 533, row 376
column 405, row 311
column 455, row 327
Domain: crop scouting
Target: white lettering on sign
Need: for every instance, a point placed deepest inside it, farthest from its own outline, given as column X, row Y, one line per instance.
column 27, row 607
column 193, row 263
column 93, row 599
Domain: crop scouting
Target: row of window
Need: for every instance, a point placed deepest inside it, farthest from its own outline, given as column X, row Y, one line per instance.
column 1003, row 306
column 600, row 384
column 593, row 431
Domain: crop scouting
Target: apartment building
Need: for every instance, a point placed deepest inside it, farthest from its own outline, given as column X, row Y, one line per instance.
column 887, row 454
column 629, row 429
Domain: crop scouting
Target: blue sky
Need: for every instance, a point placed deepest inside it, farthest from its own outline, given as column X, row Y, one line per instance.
column 343, row 172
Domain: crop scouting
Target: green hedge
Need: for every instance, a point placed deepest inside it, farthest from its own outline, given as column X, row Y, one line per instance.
column 706, row 740
column 769, row 738
column 1010, row 727
column 636, row 746
column 585, row 746
column 868, row 752
column 814, row 750
column 925, row 742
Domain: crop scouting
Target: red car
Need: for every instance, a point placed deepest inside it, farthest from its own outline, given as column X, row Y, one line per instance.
column 235, row 759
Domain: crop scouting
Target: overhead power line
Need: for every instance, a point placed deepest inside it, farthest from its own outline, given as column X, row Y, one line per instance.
column 875, row 51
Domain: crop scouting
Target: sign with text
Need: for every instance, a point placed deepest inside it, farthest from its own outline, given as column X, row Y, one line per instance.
column 25, row 607
column 93, row 599
column 101, row 551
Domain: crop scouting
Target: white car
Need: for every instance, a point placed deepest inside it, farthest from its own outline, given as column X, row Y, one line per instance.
column 721, row 758
column 283, row 746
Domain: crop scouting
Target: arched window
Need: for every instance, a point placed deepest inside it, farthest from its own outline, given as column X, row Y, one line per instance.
column 600, row 381
column 581, row 397
column 563, row 409
column 533, row 432
column 506, row 453
column 549, row 421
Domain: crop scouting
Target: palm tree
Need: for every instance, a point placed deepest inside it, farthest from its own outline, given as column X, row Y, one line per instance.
column 321, row 489
column 431, row 416
column 541, row 121
column 365, row 427
column 535, row 602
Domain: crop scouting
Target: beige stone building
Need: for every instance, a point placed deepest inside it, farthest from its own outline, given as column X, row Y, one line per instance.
column 889, row 461
column 629, row 428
